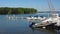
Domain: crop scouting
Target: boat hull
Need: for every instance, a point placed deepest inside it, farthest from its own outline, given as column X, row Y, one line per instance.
column 50, row 26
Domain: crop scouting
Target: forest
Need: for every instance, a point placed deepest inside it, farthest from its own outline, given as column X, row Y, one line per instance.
column 6, row 10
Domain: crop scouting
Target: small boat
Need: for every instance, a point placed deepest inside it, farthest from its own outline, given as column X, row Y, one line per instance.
column 36, row 18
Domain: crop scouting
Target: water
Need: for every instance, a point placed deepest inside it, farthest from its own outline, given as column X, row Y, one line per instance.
column 19, row 26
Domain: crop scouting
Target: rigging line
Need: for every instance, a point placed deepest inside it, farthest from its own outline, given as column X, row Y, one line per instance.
column 51, row 7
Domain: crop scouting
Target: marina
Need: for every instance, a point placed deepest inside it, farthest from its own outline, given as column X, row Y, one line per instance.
column 29, row 17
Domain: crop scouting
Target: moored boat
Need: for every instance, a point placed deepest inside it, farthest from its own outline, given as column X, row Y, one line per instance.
column 36, row 18
column 52, row 22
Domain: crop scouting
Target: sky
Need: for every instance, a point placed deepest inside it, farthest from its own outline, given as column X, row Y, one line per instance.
column 40, row 5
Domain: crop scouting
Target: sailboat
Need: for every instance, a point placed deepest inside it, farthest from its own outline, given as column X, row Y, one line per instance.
column 52, row 22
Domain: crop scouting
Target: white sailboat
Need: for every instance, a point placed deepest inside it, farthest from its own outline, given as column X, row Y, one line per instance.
column 53, row 21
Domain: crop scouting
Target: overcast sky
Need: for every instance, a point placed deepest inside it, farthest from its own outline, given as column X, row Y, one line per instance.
column 41, row 5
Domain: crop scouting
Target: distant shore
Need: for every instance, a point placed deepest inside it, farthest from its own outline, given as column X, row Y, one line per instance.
column 48, row 11
column 6, row 10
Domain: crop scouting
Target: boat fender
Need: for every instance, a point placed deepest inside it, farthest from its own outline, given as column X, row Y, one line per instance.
column 43, row 27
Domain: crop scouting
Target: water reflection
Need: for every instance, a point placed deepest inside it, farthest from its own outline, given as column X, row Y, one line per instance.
column 46, row 31
column 58, row 32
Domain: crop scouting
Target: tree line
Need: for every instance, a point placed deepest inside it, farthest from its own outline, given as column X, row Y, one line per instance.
column 6, row 10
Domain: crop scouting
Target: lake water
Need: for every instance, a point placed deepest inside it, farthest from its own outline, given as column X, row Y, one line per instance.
column 21, row 26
